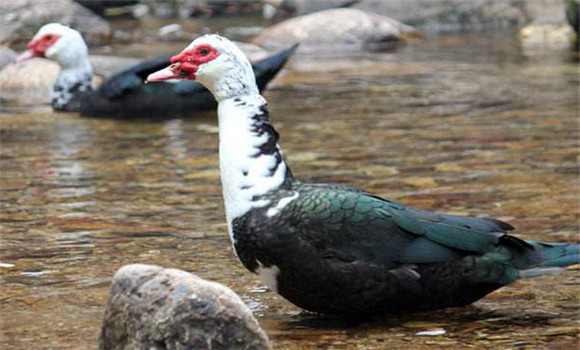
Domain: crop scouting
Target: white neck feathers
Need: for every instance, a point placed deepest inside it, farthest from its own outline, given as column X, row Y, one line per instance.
column 251, row 161
column 237, row 83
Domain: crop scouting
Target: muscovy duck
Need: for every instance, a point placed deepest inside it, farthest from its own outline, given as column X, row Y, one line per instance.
column 125, row 95
column 332, row 248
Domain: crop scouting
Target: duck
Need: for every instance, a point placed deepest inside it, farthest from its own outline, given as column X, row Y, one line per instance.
column 124, row 95
column 332, row 248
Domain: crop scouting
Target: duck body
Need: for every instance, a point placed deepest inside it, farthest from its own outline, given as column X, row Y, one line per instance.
column 125, row 95
column 335, row 249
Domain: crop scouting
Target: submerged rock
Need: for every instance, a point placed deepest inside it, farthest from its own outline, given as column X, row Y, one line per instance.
column 157, row 309
column 20, row 19
column 337, row 30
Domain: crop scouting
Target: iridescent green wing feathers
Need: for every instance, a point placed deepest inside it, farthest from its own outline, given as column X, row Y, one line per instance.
column 356, row 226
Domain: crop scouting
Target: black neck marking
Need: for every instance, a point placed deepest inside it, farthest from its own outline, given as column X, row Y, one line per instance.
column 67, row 93
column 261, row 125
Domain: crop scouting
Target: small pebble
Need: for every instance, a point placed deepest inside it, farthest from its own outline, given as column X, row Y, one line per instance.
column 432, row 332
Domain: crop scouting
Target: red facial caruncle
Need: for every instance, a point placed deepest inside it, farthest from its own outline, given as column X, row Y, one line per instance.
column 38, row 47
column 185, row 64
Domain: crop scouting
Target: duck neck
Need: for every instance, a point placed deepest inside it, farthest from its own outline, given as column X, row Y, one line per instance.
column 251, row 163
column 72, row 81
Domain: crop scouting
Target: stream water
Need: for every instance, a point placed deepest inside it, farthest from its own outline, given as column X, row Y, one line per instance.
column 469, row 125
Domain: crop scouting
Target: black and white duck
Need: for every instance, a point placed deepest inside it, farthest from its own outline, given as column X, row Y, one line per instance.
column 124, row 95
column 332, row 248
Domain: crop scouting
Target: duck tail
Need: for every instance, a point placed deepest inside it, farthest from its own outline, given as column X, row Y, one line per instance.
column 554, row 257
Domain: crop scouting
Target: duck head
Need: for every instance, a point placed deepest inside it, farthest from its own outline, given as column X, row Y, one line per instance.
column 56, row 42
column 215, row 62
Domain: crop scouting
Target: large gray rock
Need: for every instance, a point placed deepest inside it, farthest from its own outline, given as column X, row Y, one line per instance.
column 444, row 16
column 164, row 309
column 336, row 30
column 20, row 19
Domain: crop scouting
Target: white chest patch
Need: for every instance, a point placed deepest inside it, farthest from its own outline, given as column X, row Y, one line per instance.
column 268, row 275
column 281, row 204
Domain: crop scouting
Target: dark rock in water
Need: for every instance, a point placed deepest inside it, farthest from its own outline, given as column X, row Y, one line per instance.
column 288, row 8
column 99, row 6
column 337, row 30
column 193, row 8
column 573, row 14
column 20, row 19
column 447, row 16
column 573, row 18
column 7, row 56
column 159, row 309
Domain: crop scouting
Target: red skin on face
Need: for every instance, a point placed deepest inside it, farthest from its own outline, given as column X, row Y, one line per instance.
column 40, row 45
column 185, row 64
column 190, row 60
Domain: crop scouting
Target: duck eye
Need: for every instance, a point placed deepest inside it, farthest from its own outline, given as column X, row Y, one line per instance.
column 49, row 37
column 204, row 51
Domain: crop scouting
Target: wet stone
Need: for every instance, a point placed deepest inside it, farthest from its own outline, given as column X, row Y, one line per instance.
column 337, row 30
column 161, row 309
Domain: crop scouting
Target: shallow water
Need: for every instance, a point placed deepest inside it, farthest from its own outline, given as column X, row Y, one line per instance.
column 468, row 125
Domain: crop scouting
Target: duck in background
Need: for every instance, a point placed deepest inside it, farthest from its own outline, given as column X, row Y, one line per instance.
column 125, row 95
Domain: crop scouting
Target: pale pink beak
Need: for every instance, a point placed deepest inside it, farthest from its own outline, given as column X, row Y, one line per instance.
column 25, row 55
column 164, row 74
